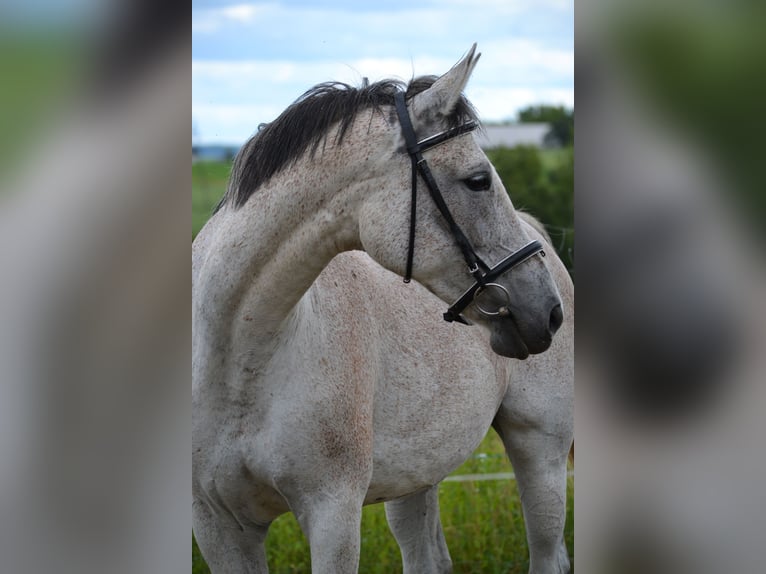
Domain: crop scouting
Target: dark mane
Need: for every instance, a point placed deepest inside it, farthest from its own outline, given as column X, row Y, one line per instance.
column 305, row 124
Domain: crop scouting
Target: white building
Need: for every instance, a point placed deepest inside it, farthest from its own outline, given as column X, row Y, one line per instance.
column 514, row 134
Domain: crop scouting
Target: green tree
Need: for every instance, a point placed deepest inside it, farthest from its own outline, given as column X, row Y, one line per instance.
column 541, row 182
column 560, row 119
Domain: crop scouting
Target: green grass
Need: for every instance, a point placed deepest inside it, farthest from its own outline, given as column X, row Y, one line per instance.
column 209, row 180
column 482, row 521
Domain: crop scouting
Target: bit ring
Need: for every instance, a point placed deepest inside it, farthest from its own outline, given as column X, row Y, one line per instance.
column 502, row 310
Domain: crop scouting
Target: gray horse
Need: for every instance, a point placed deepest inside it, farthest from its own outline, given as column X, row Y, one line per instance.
column 322, row 382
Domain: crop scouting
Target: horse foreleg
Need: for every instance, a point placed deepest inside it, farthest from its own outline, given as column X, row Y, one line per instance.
column 539, row 459
column 227, row 546
column 332, row 524
column 414, row 522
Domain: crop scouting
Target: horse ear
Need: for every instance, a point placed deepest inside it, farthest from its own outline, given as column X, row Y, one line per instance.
column 440, row 99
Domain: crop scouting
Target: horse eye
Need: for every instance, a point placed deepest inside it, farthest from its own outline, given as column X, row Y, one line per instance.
column 480, row 182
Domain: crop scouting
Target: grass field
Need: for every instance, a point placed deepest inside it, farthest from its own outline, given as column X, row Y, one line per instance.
column 482, row 520
column 208, row 185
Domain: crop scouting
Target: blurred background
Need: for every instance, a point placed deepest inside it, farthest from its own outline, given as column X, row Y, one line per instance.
column 94, row 295
column 670, row 211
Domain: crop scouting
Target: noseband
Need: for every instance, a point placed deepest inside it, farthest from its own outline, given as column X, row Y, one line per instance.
column 483, row 275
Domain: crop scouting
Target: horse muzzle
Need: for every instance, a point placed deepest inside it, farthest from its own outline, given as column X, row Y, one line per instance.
column 515, row 333
column 485, row 288
column 509, row 337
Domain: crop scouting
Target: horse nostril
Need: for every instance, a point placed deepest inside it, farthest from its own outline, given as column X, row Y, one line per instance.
column 557, row 318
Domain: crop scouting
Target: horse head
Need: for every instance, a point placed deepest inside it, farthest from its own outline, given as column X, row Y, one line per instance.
column 453, row 248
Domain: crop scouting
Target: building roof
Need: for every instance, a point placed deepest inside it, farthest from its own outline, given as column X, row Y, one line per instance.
column 493, row 136
column 514, row 134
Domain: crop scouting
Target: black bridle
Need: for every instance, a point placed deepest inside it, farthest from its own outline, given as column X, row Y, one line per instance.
column 483, row 275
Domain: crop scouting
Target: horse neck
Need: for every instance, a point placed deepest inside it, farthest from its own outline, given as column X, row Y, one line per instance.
column 260, row 259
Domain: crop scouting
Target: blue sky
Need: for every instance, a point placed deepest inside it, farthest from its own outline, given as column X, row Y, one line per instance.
column 251, row 60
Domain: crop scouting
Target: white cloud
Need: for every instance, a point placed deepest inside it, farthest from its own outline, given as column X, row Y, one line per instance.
column 243, row 12
column 505, row 7
column 500, row 104
column 286, row 49
column 230, row 99
column 526, row 59
column 212, row 20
